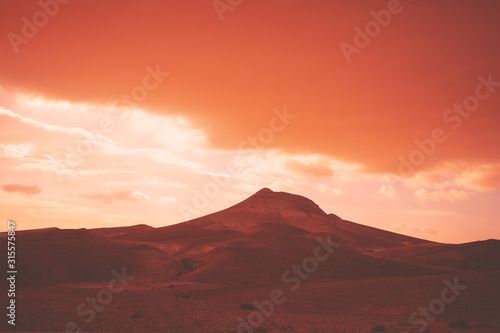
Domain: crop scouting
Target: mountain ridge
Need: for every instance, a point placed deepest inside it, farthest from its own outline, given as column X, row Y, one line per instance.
column 292, row 210
column 255, row 240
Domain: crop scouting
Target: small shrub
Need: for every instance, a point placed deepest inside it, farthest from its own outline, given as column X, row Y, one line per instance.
column 379, row 328
column 459, row 324
column 184, row 296
column 137, row 315
column 246, row 306
column 485, row 325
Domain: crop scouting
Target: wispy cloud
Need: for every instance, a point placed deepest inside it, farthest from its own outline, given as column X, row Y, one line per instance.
column 430, row 212
column 387, row 191
column 109, row 198
column 167, row 199
column 22, row 189
column 15, row 151
column 405, row 228
column 48, row 127
column 450, row 195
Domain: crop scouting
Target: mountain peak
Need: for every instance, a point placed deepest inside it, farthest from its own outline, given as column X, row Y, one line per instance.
column 264, row 190
column 268, row 202
column 264, row 207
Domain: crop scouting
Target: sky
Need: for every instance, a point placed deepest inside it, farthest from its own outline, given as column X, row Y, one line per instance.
column 385, row 113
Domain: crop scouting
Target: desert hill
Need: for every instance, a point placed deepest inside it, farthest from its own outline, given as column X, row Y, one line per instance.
column 474, row 256
column 285, row 212
column 254, row 240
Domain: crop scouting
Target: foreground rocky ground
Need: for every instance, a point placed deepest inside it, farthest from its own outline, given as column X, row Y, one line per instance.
column 317, row 306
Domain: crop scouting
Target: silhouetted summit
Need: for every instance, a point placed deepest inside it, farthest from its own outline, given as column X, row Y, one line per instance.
column 277, row 204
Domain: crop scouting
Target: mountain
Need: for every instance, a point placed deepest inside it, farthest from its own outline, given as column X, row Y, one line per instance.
column 474, row 256
column 276, row 214
column 54, row 256
column 255, row 239
column 195, row 276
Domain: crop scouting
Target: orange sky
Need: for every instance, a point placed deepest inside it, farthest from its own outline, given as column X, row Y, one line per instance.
column 203, row 86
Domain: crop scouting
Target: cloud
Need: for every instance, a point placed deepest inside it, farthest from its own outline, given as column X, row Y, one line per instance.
column 356, row 116
column 289, row 172
column 167, row 199
column 310, row 170
column 482, row 177
column 471, row 176
column 108, row 199
column 49, row 127
column 15, row 151
column 175, row 133
column 23, row 189
column 336, row 191
column 386, row 191
column 323, row 188
column 138, row 195
column 430, row 212
column 405, row 228
column 450, row 195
